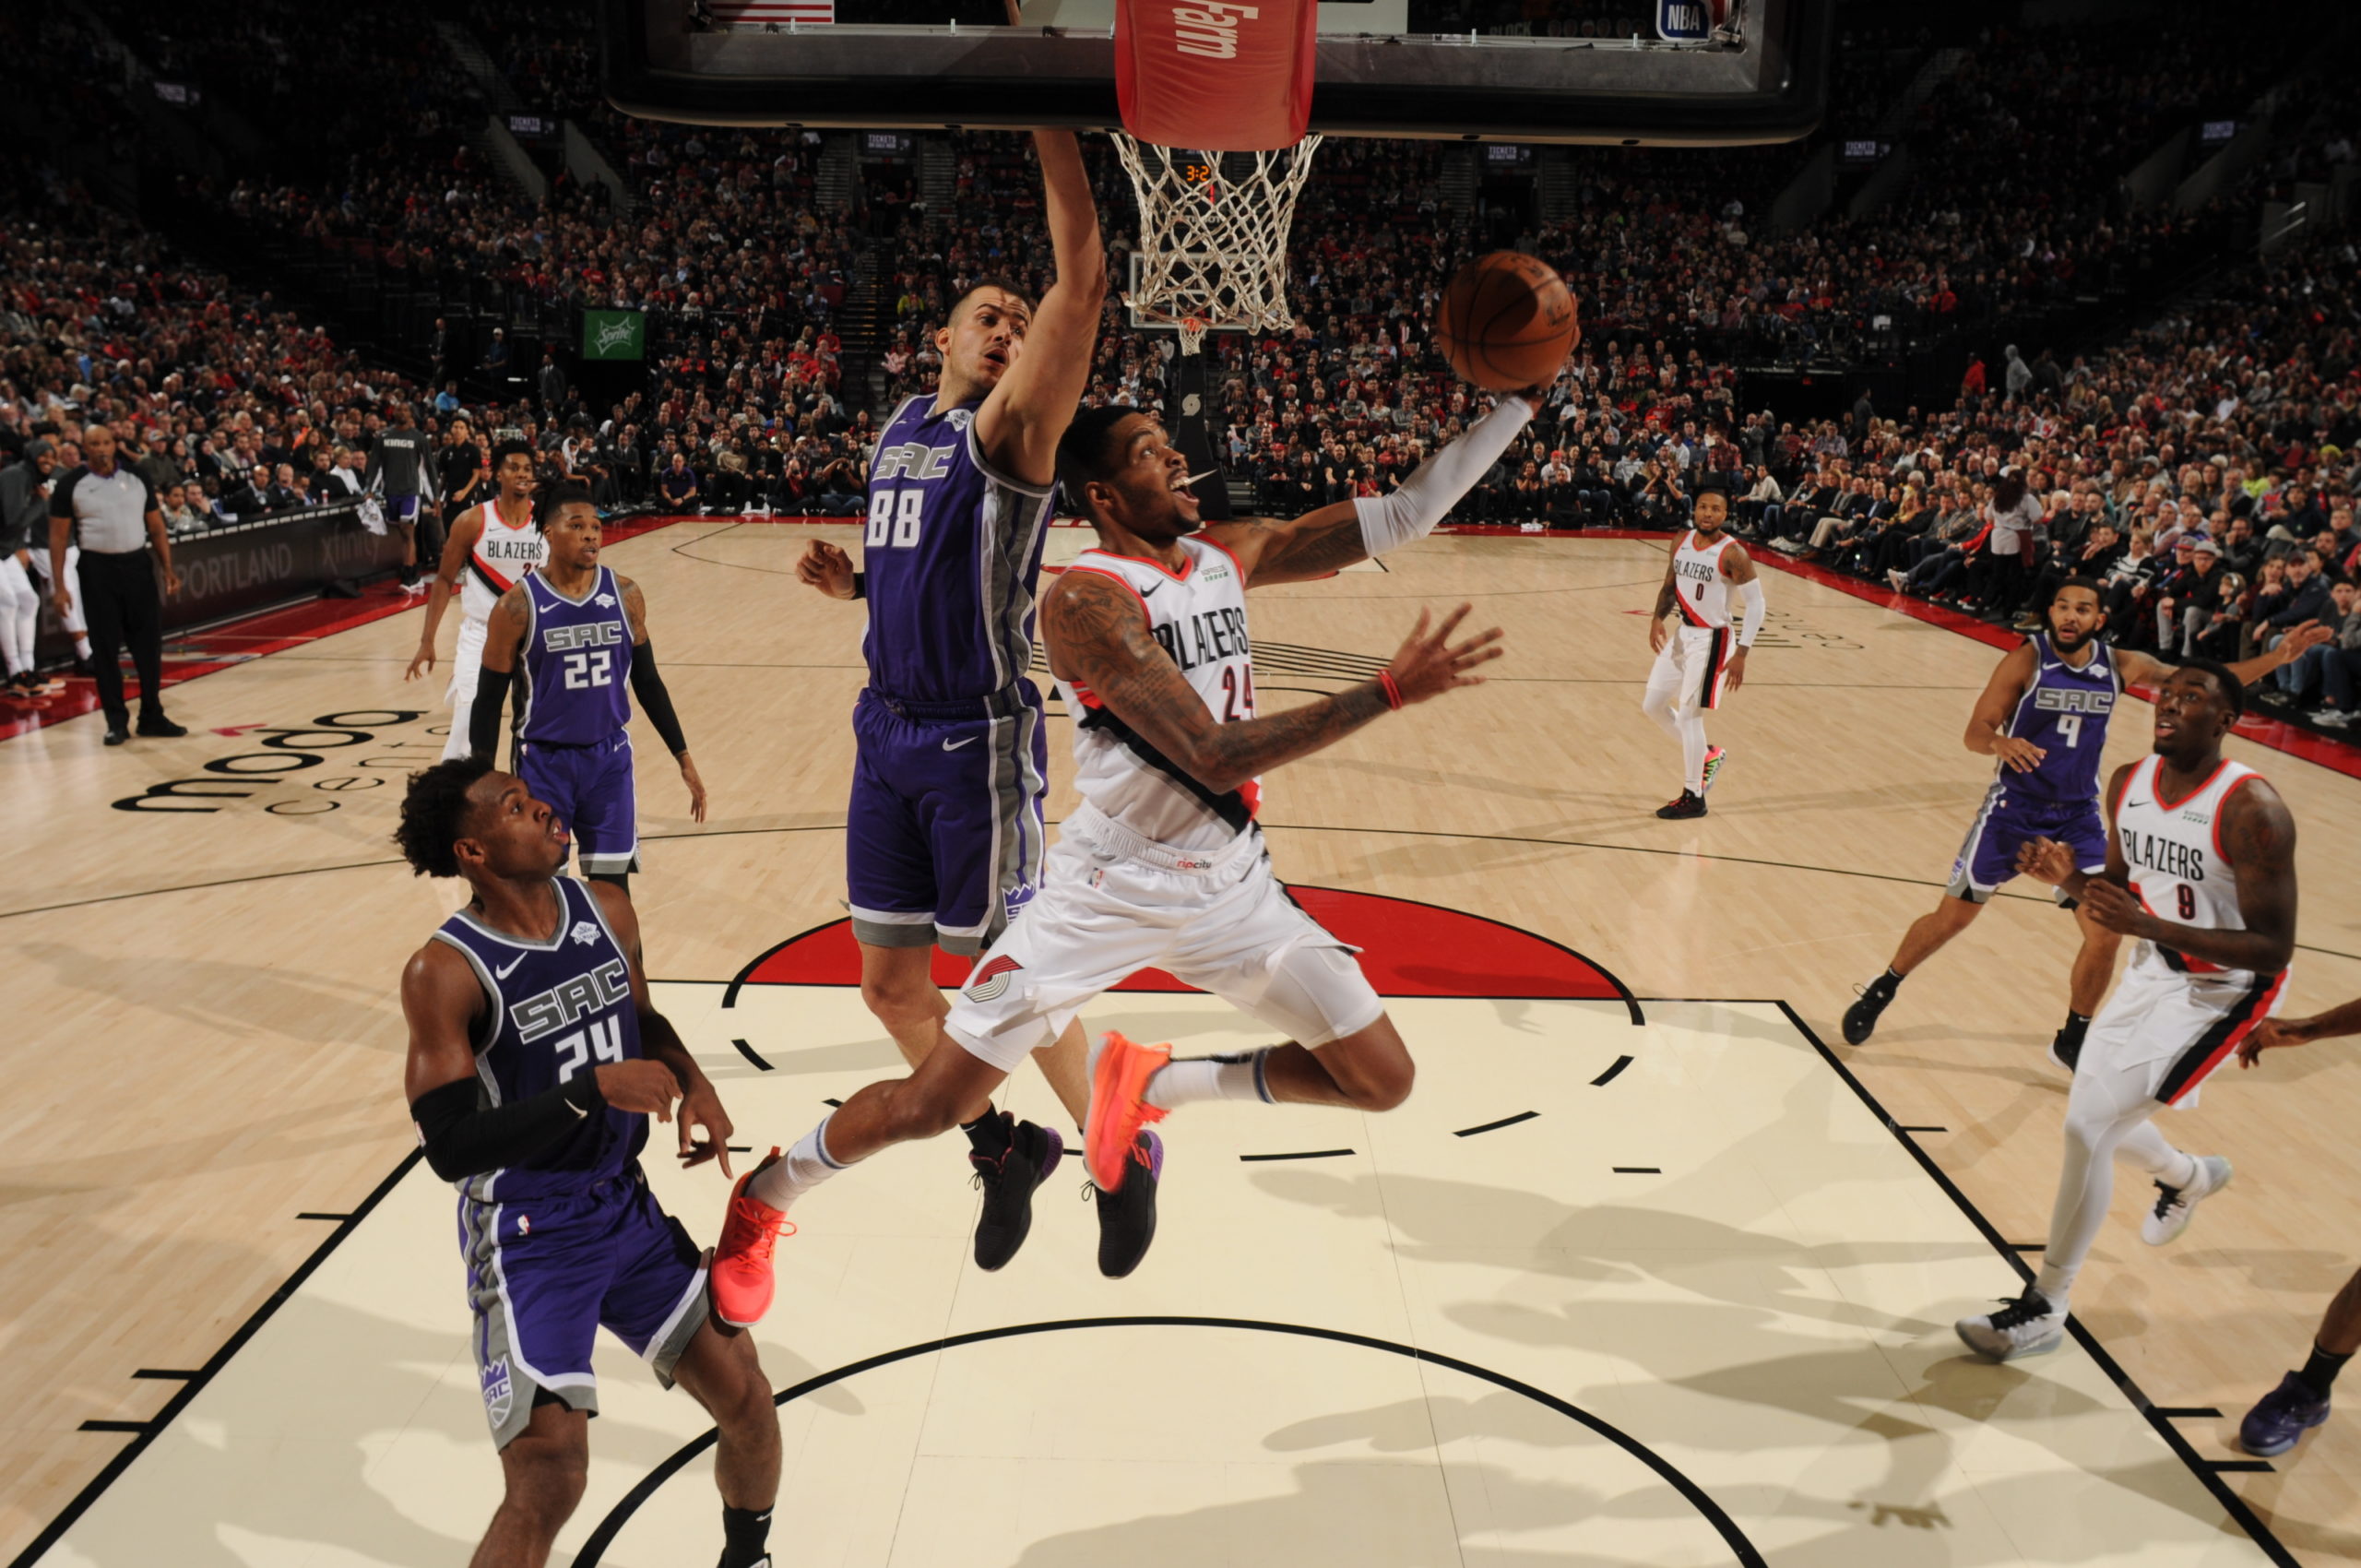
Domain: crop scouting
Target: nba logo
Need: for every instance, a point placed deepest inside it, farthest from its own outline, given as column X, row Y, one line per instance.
column 1686, row 21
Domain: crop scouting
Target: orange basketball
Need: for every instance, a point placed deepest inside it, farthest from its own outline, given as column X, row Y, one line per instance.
column 1507, row 322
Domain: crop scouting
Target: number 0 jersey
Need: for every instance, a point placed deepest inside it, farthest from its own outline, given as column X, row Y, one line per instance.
column 1199, row 618
column 950, row 557
column 504, row 552
column 2180, row 869
column 1698, row 585
column 552, row 1010
column 2065, row 712
column 576, row 661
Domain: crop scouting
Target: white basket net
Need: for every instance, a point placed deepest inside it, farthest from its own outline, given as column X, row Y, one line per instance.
column 1214, row 235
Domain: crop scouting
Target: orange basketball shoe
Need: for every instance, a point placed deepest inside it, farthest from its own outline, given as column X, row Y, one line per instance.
column 1120, row 1071
column 741, row 1276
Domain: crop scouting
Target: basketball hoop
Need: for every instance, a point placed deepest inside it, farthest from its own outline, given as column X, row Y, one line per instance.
column 1214, row 235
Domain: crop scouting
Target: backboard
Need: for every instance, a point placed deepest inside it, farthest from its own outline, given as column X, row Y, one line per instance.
column 1630, row 72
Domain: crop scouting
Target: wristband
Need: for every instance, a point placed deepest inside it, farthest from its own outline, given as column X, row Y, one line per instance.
column 860, row 584
column 1392, row 692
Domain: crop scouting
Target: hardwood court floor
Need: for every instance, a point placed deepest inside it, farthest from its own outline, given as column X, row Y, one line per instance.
column 209, row 1045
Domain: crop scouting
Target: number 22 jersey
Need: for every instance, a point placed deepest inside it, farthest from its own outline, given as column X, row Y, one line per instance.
column 576, row 664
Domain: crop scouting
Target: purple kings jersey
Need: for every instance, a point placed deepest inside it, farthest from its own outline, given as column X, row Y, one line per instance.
column 553, row 1010
column 576, row 663
column 2064, row 712
column 950, row 559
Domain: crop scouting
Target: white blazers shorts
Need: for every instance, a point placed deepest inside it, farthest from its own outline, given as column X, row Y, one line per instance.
column 1217, row 920
column 2179, row 1026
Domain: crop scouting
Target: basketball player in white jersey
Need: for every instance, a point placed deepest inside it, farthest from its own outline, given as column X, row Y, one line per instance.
column 489, row 551
column 2200, row 871
column 1698, row 662
column 1161, row 863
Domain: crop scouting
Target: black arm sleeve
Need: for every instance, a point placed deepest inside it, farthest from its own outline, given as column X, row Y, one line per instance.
column 483, row 719
column 860, row 584
column 463, row 1141
column 653, row 700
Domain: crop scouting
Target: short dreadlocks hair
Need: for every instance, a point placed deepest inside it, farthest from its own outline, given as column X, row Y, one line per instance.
column 435, row 814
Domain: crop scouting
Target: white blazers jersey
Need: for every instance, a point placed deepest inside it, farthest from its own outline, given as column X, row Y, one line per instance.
column 1199, row 617
column 1699, row 587
column 2180, row 871
column 503, row 554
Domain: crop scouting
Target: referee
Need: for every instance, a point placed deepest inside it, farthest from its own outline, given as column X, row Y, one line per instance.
column 109, row 512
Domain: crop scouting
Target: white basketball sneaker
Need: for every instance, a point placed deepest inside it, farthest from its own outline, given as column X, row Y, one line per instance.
column 2170, row 1215
column 2026, row 1327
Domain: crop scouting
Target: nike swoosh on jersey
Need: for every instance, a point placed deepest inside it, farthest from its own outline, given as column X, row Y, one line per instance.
column 1151, row 588
column 503, row 974
column 954, row 745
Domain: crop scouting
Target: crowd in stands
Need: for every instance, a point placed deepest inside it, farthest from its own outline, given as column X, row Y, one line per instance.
column 2187, row 467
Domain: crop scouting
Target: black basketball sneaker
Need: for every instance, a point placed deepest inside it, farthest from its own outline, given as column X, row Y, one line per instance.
column 1008, row 1168
column 1861, row 1018
column 1127, row 1216
column 1688, row 804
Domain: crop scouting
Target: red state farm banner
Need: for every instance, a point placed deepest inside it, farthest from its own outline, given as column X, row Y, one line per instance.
column 1226, row 76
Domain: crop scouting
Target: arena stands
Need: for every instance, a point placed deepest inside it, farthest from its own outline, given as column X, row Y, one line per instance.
column 791, row 302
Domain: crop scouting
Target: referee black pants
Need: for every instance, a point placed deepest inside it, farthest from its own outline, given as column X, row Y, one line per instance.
column 123, row 606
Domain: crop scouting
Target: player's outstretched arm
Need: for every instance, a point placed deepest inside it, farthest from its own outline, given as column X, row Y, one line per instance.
column 1099, row 638
column 2272, row 1033
column 504, row 633
column 1020, row 422
column 655, row 698
column 456, row 546
column 1322, row 543
column 2146, row 670
column 1992, row 710
column 700, row 1105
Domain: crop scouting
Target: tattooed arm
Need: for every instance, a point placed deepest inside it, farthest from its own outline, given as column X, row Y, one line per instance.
column 2258, row 834
column 1098, row 639
column 1318, row 544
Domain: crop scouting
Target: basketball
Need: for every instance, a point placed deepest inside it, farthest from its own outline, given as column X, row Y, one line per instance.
column 1507, row 322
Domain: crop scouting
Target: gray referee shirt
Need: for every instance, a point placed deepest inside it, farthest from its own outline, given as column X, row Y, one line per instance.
column 110, row 514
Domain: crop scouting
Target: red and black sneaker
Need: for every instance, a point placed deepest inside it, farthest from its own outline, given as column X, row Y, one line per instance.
column 1686, row 804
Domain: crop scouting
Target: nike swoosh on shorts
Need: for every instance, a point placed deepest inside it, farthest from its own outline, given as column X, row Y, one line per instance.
column 954, row 745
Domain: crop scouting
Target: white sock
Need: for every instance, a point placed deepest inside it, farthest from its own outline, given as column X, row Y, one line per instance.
column 806, row 1166
column 1693, row 748
column 1196, row 1078
column 81, row 645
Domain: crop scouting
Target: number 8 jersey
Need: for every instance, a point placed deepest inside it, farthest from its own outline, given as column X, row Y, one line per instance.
column 577, row 664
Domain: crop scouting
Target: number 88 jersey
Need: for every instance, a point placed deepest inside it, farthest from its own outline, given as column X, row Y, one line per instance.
column 577, row 664
column 1198, row 617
